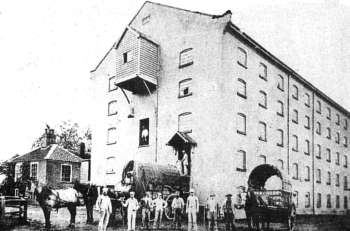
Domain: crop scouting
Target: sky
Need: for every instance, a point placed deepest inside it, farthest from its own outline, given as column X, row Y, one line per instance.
column 48, row 48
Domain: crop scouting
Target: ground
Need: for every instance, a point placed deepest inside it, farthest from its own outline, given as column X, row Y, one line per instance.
column 60, row 221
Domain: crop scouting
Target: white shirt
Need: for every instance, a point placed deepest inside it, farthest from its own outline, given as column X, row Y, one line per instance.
column 159, row 203
column 212, row 204
column 104, row 203
column 178, row 203
column 185, row 159
column 192, row 203
column 132, row 204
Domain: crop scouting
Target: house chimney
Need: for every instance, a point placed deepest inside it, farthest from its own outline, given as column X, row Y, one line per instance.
column 49, row 137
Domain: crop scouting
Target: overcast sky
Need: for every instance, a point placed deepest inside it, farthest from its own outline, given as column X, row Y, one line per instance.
column 48, row 47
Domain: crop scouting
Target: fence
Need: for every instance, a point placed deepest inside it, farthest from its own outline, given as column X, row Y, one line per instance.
column 13, row 206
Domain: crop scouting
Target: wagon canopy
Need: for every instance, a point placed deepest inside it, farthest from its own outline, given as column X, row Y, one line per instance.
column 261, row 173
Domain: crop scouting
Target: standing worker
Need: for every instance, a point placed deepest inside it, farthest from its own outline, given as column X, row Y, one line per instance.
column 104, row 206
column 228, row 209
column 212, row 215
column 133, row 206
column 192, row 208
column 159, row 205
column 185, row 163
column 90, row 199
column 177, row 205
column 146, row 203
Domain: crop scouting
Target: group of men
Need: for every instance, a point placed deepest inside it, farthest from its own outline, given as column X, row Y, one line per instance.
column 158, row 205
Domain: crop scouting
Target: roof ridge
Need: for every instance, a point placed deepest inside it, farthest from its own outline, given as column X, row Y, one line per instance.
column 52, row 148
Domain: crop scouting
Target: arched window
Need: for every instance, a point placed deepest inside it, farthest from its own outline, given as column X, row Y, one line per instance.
column 295, row 143
column 242, row 57
column 112, row 108
column 241, row 124
column 295, row 171
column 186, row 58
column 280, row 164
column 112, row 135
column 241, row 161
column 318, row 128
column 262, row 159
column 307, row 173
column 295, row 92
column 185, row 87
column 329, row 177
column 307, row 200
column 241, row 88
column 318, row 175
column 110, row 165
column 318, row 107
column 263, row 71
column 263, row 99
column 111, row 85
column 280, row 83
column 185, row 122
column 280, row 135
column 295, row 116
column 280, row 111
column 262, row 131
column 307, row 147
column 318, row 151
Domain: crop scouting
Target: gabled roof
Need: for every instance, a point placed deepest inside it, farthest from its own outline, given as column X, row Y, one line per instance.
column 181, row 138
column 52, row 152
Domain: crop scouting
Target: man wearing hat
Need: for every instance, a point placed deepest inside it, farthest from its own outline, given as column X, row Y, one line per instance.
column 228, row 209
column 177, row 205
column 159, row 204
column 212, row 215
column 192, row 208
column 133, row 206
column 104, row 206
column 146, row 203
column 90, row 199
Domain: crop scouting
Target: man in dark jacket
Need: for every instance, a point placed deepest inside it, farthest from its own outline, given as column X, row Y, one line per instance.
column 228, row 209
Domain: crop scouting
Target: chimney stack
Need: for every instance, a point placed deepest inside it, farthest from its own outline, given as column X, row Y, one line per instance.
column 49, row 137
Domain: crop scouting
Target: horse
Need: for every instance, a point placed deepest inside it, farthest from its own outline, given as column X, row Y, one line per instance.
column 90, row 195
column 256, row 212
column 49, row 199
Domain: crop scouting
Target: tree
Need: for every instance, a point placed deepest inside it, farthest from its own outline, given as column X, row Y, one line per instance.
column 69, row 136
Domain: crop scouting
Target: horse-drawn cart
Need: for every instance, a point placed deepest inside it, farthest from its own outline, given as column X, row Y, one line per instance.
column 265, row 206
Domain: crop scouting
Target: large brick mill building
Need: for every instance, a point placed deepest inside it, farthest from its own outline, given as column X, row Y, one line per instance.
column 196, row 82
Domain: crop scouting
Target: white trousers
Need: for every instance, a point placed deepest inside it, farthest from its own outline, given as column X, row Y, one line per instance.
column 104, row 218
column 192, row 219
column 131, row 220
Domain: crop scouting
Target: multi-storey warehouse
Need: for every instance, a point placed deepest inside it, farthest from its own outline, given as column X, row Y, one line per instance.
column 181, row 80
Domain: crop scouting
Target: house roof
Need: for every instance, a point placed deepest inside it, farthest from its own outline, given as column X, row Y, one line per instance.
column 52, row 152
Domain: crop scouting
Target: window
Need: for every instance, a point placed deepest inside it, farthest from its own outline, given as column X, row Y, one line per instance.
column 329, row 204
column 144, row 132
column 296, row 196
column 337, row 137
column 280, row 164
column 345, row 161
column 185, row 122
column 307, row 100
column 295, row 92
column 262, row 159
column 337, row 180
column 18, row 171
column 242, row 57
column 262, row 131
column 307, row 200
column 345, row 124
column 329, row 177
column 280, row 111
column 345, row 202
column 345, row 183
column 146, row 19
column 345, row 141
column 307, row 173
column 280, row 142
column 307, row 122
column 295, row 116
column 111, row 84
column 241, row 155
column 318, row 128
column 66, row 173
column 337, row 158
column 112, row 108
column 337, row 201
column 319, row 200
column 295, row 171
column 186, row 58
column 111, row 136
column 328, row 155
column 307, row 147
column 263, row 71
column 280, row 83
column 318, row 107
column 242, row 88
column 318, row 151
column 34, row 171
column 111, row 162
column 128, row 56
column 241, row 124
column 295, row 143
column 263, row 99
column 329, row 133
column 329, row 113
column 318, row 176
column 338, row 119
column 185, row 88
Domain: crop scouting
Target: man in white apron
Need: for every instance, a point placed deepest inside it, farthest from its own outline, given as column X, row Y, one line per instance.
column 133, row 206
column 104, row 206
column 192, row 208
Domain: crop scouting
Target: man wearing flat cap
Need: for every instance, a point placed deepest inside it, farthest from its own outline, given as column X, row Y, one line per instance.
column 192, row 208
column 133, row 206
column 228, row 209
column 212, row 215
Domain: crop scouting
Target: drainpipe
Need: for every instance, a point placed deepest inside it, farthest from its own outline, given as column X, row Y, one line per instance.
column 313, row 152
column 288, row 134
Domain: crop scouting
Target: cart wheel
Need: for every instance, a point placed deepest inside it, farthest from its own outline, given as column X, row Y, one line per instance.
column 168, row 210
column 292, row 219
